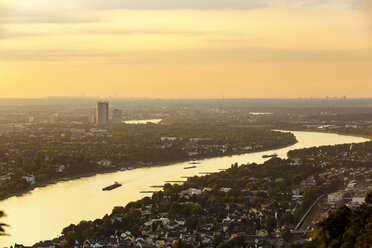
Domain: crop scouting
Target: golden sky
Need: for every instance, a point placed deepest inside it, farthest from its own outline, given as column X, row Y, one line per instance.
column 179, row 49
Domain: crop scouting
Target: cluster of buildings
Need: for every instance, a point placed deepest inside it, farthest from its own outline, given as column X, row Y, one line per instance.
column 101, row 117
column 161, row 230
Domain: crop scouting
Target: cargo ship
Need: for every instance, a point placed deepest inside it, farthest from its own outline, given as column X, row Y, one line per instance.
column 270, row 156
column 189, row 167
column 113, row 186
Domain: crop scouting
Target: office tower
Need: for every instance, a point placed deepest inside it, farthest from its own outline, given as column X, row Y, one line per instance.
column 116, row 116
column 102, row 113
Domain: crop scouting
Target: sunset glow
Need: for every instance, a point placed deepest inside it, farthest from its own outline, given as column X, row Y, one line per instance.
column 169, row 50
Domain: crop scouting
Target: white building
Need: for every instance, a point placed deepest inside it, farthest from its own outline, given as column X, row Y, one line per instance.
column 29, row 179
column 225, row 189
column 335, row 197
column 105, row 163
column 4, row 179
column 60, row 168
column 168, row 138
column 191, row 191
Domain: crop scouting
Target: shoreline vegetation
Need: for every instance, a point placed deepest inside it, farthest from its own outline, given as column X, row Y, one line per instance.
column 117, row 169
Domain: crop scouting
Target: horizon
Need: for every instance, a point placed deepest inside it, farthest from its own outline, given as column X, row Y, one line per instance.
column 108, row 98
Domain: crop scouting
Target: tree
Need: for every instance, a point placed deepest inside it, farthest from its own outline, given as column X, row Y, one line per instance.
column 180, row 244
column 285, row 232
column 345, row 228
column 2, row 225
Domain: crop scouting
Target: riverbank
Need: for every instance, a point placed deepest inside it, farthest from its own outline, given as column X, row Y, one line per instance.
column 59, row 205
column 326, row 131
column 117, row 168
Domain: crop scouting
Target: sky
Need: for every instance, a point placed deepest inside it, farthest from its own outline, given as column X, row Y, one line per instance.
column 186, row 49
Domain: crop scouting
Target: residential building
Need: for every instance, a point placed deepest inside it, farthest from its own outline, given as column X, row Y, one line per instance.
column 29, row 179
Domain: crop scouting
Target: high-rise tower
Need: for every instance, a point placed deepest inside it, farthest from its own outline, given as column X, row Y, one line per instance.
column 102, row 113
column 116, row 116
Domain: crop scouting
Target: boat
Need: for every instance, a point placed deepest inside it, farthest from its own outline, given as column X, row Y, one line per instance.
column 270, row 155
column 123, row 169
column 113, row 186
column 130, row 168
column 189, row 167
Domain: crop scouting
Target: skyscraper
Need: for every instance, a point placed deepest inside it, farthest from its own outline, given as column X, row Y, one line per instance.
column 102, row 113
column 116, row 116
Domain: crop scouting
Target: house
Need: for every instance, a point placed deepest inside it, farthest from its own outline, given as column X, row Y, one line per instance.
column 29, row 179
column 297, row 192
column 309, row 182
column 4, row 179
column 357, row 200
column 60, row 168
column 190, row 191
column 168, row 138
column 227, row 220
column 192, row 154
column 21, row 246
column 207, row 189
column 199, row 139
column 247, row 148
column 44, row 244
column 105, row 163
column 225, row 189
column 335, row 197
column 295, row 162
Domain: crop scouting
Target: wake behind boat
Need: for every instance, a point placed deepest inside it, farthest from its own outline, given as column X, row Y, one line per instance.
column 113, row 186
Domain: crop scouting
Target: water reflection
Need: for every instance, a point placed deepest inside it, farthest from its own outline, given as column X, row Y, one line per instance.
column 154, row 121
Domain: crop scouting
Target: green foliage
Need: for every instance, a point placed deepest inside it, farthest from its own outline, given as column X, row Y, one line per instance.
column 2, row 225
column 285, row 232
column 180, row 244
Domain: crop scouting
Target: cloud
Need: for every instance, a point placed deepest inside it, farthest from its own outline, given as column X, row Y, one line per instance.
column 354, row 4
column 85, row 11
column 175, row 4
column 44, row 11
column 238, row 55
column 6, row 34
column 81, row 11
column 154, row 31
column 57, row 19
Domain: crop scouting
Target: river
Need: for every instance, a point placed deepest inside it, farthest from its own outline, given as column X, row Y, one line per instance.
column 154, row 121
column 42, row 213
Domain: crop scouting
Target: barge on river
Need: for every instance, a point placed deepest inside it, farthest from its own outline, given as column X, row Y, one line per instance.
column 111, row 187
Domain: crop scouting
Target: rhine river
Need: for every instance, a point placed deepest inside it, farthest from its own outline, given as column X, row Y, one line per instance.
column 44, row 212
